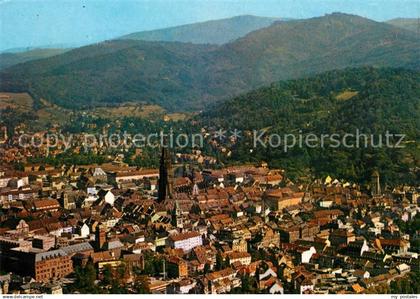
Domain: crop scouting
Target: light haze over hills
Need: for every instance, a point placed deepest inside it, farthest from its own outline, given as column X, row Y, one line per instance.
column 185, row 76
column 409, row 24
column 81, row 22
column 210, row 32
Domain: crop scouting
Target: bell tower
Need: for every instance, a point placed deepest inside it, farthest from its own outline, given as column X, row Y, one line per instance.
column 166, row 175
column 376, row 185
column 179, row 216
column 100, row 236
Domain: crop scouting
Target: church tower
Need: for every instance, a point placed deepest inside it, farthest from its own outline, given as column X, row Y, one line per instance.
column 165, row 175
column 100, row 236
column 195, row 190
column 4, row 133
column 376, row 185
column 179, row 216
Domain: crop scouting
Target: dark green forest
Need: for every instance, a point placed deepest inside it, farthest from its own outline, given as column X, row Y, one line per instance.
column 379, row 100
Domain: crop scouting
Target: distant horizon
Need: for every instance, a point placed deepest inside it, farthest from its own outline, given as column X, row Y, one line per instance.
column 77, row 23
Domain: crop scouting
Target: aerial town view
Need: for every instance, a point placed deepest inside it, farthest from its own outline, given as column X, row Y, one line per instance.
column 209, row 147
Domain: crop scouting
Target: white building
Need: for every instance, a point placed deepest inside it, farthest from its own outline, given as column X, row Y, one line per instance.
column 276, row 288
column 110, row 198
column 306, row 255
column 185, row 241
column 243, row 257
column 84, row 231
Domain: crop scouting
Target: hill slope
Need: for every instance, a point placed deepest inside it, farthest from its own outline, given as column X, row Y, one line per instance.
column 9, row 59
column 406, row 23
column 210, row 32
column 115, row 72
column 181, row 76
column 295, row 48
column 372, row 101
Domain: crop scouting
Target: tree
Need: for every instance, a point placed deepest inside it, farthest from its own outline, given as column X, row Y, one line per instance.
column 107, row 275
column 141, row 285
column 219, row 261
column 122, row 271
column 257, row 275
column 206, row 268
column 195, row 209
column 248, row 284
column 85, row 279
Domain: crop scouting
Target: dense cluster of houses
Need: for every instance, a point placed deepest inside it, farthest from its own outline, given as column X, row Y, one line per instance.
column 226, row 230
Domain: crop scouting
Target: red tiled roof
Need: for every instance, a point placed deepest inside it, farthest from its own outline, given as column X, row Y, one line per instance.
column 46, row 203
column 184, row 236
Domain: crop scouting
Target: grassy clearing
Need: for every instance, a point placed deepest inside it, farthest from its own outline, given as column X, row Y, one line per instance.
column 128, row 110
column 19, row 101
column 346, row 95
column 176, row 116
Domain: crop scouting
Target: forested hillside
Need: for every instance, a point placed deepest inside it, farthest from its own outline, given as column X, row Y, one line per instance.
column 370, row 100
column 9, row 59
column 181, row 76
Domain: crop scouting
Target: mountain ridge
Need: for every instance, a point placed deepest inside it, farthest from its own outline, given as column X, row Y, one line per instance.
column 8, row 59
column 208, row 32
column 185, row 76
column 411, row 24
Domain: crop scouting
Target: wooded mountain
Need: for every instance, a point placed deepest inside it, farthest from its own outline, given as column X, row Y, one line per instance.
column 185, row 76
column 112, row 72
column 8, row 59
column 406, row 23
column 210, row 32
column 370, row 100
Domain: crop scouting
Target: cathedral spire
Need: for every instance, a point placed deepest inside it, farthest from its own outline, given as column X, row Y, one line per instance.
column 165, row 175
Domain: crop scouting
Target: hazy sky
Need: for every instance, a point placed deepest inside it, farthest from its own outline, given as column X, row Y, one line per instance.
column 32, row 23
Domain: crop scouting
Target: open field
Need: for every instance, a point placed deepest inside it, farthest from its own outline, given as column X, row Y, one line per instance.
column 346, row 95
column 128, row 110
column 176, row 116
column 20, row 101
